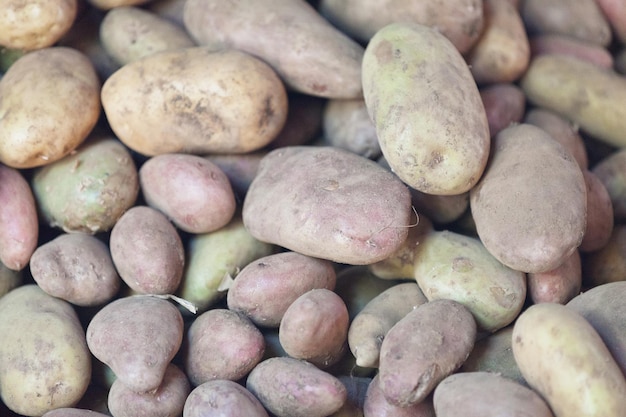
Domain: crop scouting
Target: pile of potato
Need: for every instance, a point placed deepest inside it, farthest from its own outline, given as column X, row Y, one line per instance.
column 300, row 208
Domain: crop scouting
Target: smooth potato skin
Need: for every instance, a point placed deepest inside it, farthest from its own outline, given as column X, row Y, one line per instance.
column 558, row 285
column 600, row 215
column 376, row 405
column 222, row 397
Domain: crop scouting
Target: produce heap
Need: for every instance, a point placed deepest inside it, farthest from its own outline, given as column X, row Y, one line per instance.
column 312, row 208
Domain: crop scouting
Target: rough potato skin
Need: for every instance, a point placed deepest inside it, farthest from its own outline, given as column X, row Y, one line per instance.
column 222, row 398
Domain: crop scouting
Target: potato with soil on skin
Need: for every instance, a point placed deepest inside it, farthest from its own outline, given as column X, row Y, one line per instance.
column 600, row 217
column 327, row 203
column 181, row 101
column 558, row 285
column 137, row 337
column 376, row 405
column 526, row 223
column 289, row 387
column 321, row 60
column 423, row 348
column 607, row 264
column 147, row 251
column 77, row 268
column 611, row 171
column 221, row 344
column 504, row 103
column 129, row 33
column 167, row 400
column 370, row 326
column 408, row 71
column 54, row 93
column 347, row 125
column 19, row 224
column 221, row 398
column 485, row 394
column 574, row 371
column 89, row 190
column 264, row 289
column 193, row 192
column 44, row 359
column 567, row 45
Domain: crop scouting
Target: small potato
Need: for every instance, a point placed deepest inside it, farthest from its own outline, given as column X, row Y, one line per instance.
column 54, row 93
column 563, row 358
column 376, row 405
column 219, row 398
column 558, row 285
column 611, row 171
column 567, row 45
column 76, row 267
column 607, row 264
column 423, row 348
column 347, row 125
column 181, row 101
column 600, row 217
column 264, row 289
column 289, row 387
column 504, row 103
column 147, row 251
column 193, row 192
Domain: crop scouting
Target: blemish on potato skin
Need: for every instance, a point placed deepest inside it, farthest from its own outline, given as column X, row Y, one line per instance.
column 384, row 52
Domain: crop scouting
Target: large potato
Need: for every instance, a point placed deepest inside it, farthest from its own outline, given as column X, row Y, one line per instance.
column 195, row 100
column 408, row 71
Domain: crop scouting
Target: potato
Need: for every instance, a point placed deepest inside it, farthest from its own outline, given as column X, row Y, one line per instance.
column 111, row 4
column 514, row 185
column 558, row 285
column 19, row 224
column 564, row 359
column 611, row 171
column 322, row 61
column 615, row 13
column 424, row 347
column 461, row 21
column 54, row 93
column 328, row 203
column 370, row 326
column 44, row 360
column 137, row 337
column 376, row 405
column 147, row 251
column 594, row 105
column 73, row 412
column 264, row 289
column 129, row 33
column 193, row 192
column 607, row 264
column 35, row 24
column 89, row 190
column 76, row 267
column 357, row 390
column 347, row 125
column 180, row 101
column 504, row 103
column 502, row 53
column 485, row 394
column 452, row 266
column 167, row 400
column 289, row 387
column 221, row 398
column 567, row 45
column 239, row 168
column 221, row 344
column 600, row 217
column 407, row 67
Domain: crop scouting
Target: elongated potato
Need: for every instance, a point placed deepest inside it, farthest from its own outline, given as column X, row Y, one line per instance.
column 564, row 359
column 567, row 45
column 407, row 73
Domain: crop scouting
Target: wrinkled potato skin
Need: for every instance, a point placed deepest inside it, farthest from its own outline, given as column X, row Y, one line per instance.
column 175, row 102
column 55, row 94
column 222, row 397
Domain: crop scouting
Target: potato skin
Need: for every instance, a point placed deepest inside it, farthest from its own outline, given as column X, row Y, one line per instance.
column 222, row 397
column 376, row 405
column 566, row 45
column 73, row 412
column 611, row 171
column 407, row 73
column 558, row 285
column 600, row 216
column 504, row 103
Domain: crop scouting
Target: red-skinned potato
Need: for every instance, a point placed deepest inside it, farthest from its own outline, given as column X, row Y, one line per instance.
column 222, row 397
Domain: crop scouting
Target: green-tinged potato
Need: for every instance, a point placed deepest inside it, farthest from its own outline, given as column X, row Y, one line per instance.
column 580, row 19
column 167, row 400
column 564, row 359
column 35, row 24
column 214, row 259
column 615, row 13
column 603, row 306
column 567, row 45
column 505, row 104
column 147, row 251
column 73, row 412
column 607, row 264
column 527, row 223
column 347, row 125
column 9, row 279
column 49, row 103
column 44, row 359
column 328, row 203
column 321, row 60
column 408, row 71
column 264, row 289
column 221, row 344
column 219, row 398
column 289, row 387
column 376, row 405
column 19, row 224
column 137, row 337
column 461, row 21
column 76, row 267
column 129, row 33
column 183, row 101
column 370, row 326
column 595, row 104
column 600, row 217
column 239, row 168
column 486, row 394
column 502, row 53
column 89, row 190
column 423, row 348
column 558, row 285
column 452, row 266
column 193, row 192
column 611, row 171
